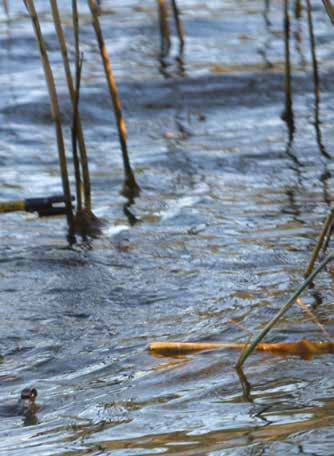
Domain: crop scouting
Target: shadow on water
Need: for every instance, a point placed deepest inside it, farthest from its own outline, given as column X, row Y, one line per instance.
column 230, row 208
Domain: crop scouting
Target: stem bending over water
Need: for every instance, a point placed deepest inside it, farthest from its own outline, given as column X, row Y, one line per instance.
column 283, row 310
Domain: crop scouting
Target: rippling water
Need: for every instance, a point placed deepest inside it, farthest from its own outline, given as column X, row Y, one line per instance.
column 229, row 214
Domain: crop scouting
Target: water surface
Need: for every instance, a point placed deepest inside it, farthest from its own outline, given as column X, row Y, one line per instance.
column 228, row 215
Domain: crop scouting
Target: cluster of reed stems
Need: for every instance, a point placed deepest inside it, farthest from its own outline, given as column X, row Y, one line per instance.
column 83, row 222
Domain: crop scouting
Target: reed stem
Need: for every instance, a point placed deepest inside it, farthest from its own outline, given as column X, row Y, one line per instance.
column 179, row 26
column 130, row 187
column 71, row 89
column 288, row 112
column 282, row 311
column 55, row 112
column 326, row 229
column 165, row 42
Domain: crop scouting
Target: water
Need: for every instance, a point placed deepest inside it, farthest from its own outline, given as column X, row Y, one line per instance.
column 229, row 214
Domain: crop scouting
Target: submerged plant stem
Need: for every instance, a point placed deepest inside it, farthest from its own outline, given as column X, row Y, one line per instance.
column 284, row 308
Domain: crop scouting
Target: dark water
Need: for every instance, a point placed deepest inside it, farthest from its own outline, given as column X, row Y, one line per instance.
column 229, row 214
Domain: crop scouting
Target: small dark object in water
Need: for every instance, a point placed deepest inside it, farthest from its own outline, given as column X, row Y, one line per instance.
column 26, row 405
column 86, row 224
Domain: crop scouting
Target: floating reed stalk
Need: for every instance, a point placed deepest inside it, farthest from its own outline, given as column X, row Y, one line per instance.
column 324, row 232
column 179, row 26
column 55, row 112
column 70, row 85
column 165, row 42
column 288, row 112
column 282, row 311
column 303, row 348
column 130, row 188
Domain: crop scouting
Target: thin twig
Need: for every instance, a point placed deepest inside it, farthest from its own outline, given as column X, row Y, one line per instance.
column 283, row 310
column 55, row 111
column 130, row 187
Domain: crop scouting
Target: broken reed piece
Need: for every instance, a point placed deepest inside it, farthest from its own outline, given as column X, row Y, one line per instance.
column 55, row 112
column 71, row 89
column 303, row 348
column 130, row 187
column 247, row 352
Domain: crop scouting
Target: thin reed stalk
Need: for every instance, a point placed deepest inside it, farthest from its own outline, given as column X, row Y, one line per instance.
column 130, row 187
column 244, row 355
column 316, row 82
column 70, row 85
column 324, row 232
column 5, row 7
column 329, row 9
column 165, row 42
column 55, row 112
column 179, row 26
column 288, row 112
column 78, row 68
column 74, row 130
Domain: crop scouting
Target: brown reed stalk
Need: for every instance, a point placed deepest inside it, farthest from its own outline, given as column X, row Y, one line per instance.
column 244, row 355
column 130, row 187
column 316, row 83
column 324, row 232
column 55, row 112
column 179, row 26
column 288, row 112
column 165, row 42
column 70, row 85
column 329, row 9
column 74, row 131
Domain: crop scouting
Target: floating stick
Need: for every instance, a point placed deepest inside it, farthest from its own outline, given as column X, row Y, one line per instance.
column 282, row 311
column 55, row 112
column 130, row 188
column 70, row 85
column 303, row 348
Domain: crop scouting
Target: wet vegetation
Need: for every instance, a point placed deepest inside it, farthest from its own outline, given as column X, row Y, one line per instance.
column 193, row 167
